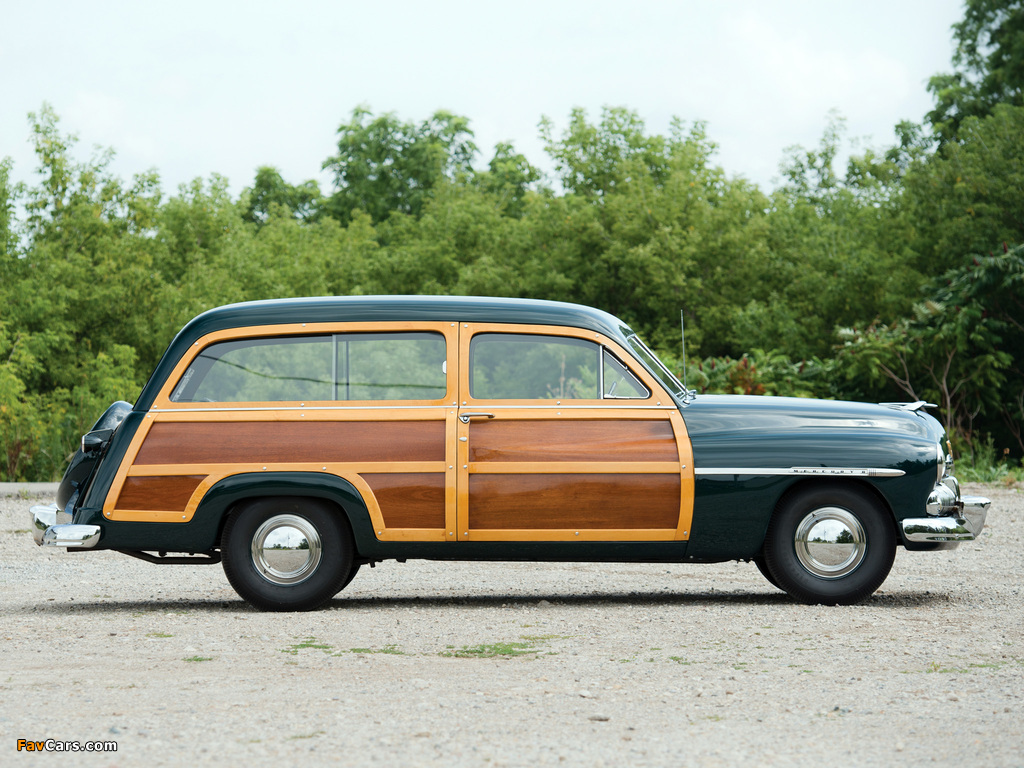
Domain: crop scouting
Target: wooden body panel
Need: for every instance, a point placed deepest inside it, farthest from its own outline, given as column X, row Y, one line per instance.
column 574, row 469
column 602, row 470
column 214, row 442
column 562, row 440
column 576, row 501
column 168, row 493
column 409, row 500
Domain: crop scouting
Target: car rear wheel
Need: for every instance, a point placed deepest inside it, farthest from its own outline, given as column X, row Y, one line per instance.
column 284, row 554
column 763, row 568
column 830, row 545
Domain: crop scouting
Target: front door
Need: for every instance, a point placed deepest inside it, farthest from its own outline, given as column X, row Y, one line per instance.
column 562, row 437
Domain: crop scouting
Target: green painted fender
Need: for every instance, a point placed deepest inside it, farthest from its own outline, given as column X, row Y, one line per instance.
column 202, row 532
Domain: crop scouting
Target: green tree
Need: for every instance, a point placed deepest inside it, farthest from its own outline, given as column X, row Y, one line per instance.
column 962, row 348
column 270, row 189
column 385, row 165
column 591, row 158
column 8, row 224
column 508, row 178
column 967, row 197
column 836, row 251
column 988, row 66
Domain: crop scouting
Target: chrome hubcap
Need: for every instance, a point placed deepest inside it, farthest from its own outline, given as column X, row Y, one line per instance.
column 830, row 542
column 286, row 549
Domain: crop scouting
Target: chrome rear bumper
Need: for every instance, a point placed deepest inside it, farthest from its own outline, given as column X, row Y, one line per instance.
column 50, row 528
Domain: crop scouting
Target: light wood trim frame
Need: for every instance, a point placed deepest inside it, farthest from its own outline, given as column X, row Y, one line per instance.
column 657, row 398
column 343, row 411
column 448, row 330
column 657, row 405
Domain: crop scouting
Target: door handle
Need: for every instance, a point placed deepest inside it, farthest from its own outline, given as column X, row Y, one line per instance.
column 465, row 417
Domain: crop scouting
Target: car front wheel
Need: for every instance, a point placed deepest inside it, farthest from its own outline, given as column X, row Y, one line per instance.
column 287, row 554
column 830, row 545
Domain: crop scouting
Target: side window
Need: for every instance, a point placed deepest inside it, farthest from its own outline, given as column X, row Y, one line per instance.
column 355, row 366
column 507, row 366
column 391, row 366
column 619, row 382
column 259, row 370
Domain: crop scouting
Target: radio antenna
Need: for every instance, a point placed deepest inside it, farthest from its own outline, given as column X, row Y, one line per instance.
column 682, row 332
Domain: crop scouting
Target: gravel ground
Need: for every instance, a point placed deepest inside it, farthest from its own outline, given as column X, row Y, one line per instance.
column 617, row 664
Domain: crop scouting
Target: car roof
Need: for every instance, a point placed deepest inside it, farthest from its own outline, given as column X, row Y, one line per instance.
column 344, row 309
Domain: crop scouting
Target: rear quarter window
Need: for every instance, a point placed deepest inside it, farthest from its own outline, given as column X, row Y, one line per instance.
column 354, row 366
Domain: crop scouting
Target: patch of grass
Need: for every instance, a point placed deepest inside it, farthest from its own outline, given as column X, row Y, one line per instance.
column 22, row 530
column 936, row 668
column 491, row 650
column 159, row 634
column 981, row 462
column 544, row 638
column 679, row 660
column 304, row 643
column 197, row 659
column 312, row 735
column 394, row 650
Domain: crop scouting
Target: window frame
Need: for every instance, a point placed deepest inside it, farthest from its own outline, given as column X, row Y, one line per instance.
column 604, row 348
column 448, row 332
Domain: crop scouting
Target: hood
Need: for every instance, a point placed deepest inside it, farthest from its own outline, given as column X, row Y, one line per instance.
column 740, row 416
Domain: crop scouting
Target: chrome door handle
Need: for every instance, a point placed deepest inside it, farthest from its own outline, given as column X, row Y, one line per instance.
column 465, row 417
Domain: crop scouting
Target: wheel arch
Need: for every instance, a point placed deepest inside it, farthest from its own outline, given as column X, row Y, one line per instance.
column 231, row 493
column 807, row 484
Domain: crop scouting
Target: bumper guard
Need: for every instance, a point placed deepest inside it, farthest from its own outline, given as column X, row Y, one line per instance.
column 963, row 523
column 51, row 528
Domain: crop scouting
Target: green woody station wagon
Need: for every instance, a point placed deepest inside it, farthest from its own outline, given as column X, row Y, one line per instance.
column 294, row 441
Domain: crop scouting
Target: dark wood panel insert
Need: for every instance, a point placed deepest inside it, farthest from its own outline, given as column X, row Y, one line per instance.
column 164, row 494
column 409, row 500
column 572, row 440
column 241, row 442
column 577, row 501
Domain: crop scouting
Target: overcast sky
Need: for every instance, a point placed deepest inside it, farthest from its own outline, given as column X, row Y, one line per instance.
column 194, row 88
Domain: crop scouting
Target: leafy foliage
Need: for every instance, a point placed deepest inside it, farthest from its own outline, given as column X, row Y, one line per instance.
column 989, row 61
column 900, row 276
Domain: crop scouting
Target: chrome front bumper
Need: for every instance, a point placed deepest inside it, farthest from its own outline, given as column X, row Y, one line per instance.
column 959, row 518
column 51, row 527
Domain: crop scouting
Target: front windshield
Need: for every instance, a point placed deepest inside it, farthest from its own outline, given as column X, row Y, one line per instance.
column 672, row 384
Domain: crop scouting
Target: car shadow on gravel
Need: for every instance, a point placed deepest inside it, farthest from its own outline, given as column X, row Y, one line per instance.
column 900, row 600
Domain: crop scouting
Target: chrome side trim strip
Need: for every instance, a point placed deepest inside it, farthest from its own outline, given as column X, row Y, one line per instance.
column 797, row 471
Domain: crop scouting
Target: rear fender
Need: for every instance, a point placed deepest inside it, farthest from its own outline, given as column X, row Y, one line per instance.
column 202, row 532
